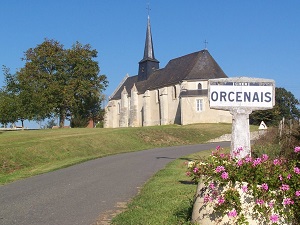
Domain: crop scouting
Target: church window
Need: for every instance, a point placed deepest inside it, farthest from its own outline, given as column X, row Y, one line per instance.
column 157, row 96
column 199, row 86
column 119, row 107
column 199, row 105
column 174, row 93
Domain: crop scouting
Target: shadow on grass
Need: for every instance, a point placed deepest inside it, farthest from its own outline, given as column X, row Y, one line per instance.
column 188, row 182
column 187, row 159
column 163, row 157
column 185, row 215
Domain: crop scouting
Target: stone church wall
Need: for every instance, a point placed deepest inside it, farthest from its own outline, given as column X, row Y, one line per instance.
column 190, row 115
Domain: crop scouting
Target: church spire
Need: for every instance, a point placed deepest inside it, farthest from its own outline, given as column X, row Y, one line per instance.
column 148, row 64
column 148, row 51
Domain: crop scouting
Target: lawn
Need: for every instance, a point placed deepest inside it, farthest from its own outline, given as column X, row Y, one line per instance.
column 165, row 199
column 30, row 152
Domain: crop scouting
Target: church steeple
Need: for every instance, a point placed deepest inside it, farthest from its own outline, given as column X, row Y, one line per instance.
column 148, row 64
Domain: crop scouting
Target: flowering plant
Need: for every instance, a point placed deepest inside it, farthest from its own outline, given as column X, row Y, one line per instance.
column 270, row 187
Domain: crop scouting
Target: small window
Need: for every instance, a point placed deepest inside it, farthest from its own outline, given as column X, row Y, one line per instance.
column 119, row 108
column 199, row 105
column 174, row 93
column 199, row 86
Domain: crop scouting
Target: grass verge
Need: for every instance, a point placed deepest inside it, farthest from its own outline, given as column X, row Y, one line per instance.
column 165, row 199
column 30, row 152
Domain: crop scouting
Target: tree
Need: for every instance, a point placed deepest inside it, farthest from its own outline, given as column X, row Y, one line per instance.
column 8, row 108
column 57, row 81
column 285, row 106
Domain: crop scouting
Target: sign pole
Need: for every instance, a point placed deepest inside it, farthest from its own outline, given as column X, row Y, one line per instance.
column 240, row 135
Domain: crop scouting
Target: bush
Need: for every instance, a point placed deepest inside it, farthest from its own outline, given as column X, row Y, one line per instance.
column 274, row 186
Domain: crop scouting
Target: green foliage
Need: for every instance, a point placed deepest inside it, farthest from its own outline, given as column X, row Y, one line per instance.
column 272, row 186
column 51, row 122
column 58, row 81
column 167, row 198
column 9, row 107
column 79, row 121
column 285, row 106
column 278, row 144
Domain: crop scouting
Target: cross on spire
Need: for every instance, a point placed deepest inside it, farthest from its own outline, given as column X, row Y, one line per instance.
column 148, row 8
column 205, row 44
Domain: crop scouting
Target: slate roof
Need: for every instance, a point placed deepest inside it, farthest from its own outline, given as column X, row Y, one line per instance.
column 189, row 93
column 195, row 66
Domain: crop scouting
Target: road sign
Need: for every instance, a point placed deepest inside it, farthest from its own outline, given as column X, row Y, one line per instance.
column 255, row 93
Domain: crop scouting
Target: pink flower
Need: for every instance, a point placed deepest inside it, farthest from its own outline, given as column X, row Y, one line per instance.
column 245, row 188
column 297, row 193
column 274, row 218
column 297, row 149
column 195, row 170
column 240, row 162
column 289, row 176
column 224, row 175
column 280, row 177
column 212, row 186
column 271, row 204
column 232, row 213
column 288, row 201
column 220, row 169
column 237, row 152
column 248, row 159
column 265, row 157
column 207, row 198
column 265, row 186
column 222, row 155
column 221, row 200
column 257, row 161
column 297, row 170
column 260, row 201
column 276, row 162
column 188, row 174
column 218, row 147
column 285, row 187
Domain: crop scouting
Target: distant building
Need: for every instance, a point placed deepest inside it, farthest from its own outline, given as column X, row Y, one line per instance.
column 176, row 94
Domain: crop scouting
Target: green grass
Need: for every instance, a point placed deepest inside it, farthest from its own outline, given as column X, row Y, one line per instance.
column 165, row 199
column 30, row 152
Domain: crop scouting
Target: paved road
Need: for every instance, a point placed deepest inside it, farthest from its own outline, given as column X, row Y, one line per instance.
column 78, row 194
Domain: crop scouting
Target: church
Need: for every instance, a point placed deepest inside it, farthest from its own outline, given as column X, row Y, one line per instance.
column 176, row 94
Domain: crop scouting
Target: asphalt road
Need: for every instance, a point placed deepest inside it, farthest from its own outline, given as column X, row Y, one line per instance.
column 77, row 195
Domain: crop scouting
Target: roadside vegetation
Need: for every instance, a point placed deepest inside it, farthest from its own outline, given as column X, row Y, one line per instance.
column 167, row 198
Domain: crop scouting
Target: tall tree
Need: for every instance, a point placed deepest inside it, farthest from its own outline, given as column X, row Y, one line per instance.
column 57, row 81
column 9, row 108
column 286, row 105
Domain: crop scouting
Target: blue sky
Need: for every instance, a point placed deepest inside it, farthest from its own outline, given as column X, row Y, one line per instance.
column 258, row 38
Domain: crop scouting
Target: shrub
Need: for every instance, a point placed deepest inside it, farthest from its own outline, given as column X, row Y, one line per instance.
column 274, row 185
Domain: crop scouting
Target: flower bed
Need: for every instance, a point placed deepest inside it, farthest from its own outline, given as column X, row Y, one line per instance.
column 247, row 190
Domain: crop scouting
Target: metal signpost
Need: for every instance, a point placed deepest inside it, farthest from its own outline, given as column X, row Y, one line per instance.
column 241, row 96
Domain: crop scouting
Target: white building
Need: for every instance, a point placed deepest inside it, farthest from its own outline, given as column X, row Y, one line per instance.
column 176, row 94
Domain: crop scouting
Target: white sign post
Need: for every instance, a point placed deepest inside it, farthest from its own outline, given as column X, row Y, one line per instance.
column 241, row 96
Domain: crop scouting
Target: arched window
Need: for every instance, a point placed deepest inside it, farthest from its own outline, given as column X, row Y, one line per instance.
column 174, row 93
column 119, row 107
column 199, row 86
column 157, row 96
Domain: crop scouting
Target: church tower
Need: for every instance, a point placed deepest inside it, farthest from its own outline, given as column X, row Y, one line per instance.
column 148, row 64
